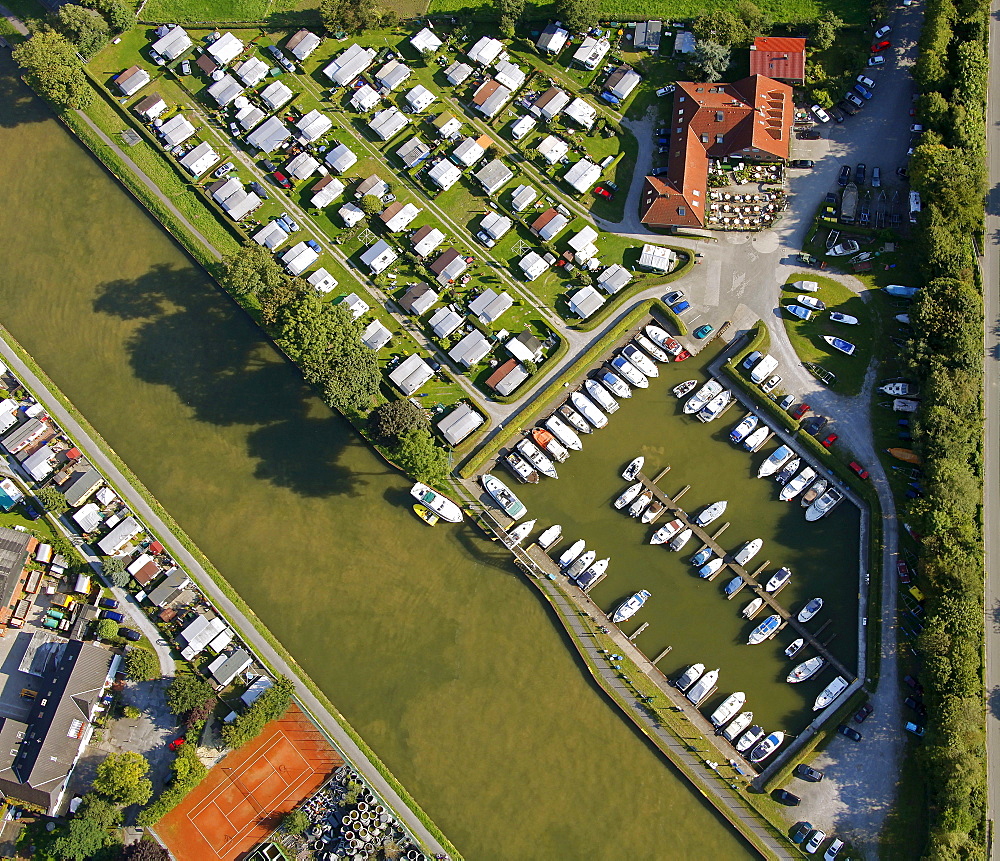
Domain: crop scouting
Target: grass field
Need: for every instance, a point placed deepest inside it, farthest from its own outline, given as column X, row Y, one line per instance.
column 208, row 11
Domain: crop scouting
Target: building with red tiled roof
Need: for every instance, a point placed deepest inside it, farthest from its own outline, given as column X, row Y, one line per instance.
column 751, row 119
column 778, row 57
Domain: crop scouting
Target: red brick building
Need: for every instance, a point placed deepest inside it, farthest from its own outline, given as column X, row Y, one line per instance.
column 778, row 57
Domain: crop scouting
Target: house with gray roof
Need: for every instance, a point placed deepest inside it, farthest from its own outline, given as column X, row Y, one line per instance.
column 471, row 350
column 553, row 39
column 351, row 63
column 302, row 44
column 268, row 136
column 83, row 482
column 172, row 44
column 493, row 176
column 458, row 73
column 224, row 668
column 460, row 423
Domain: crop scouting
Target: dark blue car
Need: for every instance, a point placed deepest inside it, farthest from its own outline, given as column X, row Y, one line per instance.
column 680, row 307
column 863, row 90
column 314, row 245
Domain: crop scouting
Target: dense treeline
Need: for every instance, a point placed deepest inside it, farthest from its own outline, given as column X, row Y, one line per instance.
column 946, row 355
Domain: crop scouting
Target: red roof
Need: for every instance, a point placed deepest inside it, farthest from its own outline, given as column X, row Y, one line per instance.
column 72, row 454
column 156, row 547
column 497, row 376
column 778, row 57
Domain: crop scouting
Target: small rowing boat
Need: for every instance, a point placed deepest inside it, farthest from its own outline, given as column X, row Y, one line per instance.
column 752, row 608
column 425, row 514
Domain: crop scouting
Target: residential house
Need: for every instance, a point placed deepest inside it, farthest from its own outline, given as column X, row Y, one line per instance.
column 585, row 302
column 132, row 80
column 397, row 216
column 489, row 306
column 410, row 374
column 326, row 191
column 549, row 224
column 418, row 299
column 15, row 550
column 448, row 267
column 271, row 235
column 495, row 225
column 490, row 97
column 302, row 166
column 270, row 135
column 276, row 95
column 301, row 44
column 493, row 176
column 525, row 347
column 122, row 533
column 172, row 44
column 143, row 569
column 420, row 99
column 506, row 378
column 388, row 123
column 426, row 239
column 656, row 258
column 24, row 435
column 751, row 119
column 471, row 350
column 622, row 82
column 351, row 214
column 582, row 175
column 582, row 244
column 376, row 335
column 249, row 117
column 458, row 73
column 207, row 65
column 553, row 39
column 524, row 196
column 485, row 51
column 252, row 71
column 448, row 127
column 591, row 51
column 373, row 186
column 176, row 130
column 646, row 36
column 552, row 149
column 509, row 74
column 614, row 278
column 224, row 668
column 413, row 152
column 353, row 303
column 322, row 280
column 313, row 126
column 426, row 41
column 550, row 104
column 444, row 174
column 235, row 200
column 444, row 321
column 198, row 633
column 685, row 42
column 38, row 464
column 299, row 258
column 365, row 98
column 88, row 518
column 379, row 256
column 341, row 159
column 469, row 151
column 582, row 113
column 151, row 106
column 81, row 484
column 171, row 590
column 9, row 415
column 225, row 90
column 780, row 58
column 351, row 63
column 460, row 423
column 225, row 49
column 522, row 127
column 532, row 265
column 392, row 75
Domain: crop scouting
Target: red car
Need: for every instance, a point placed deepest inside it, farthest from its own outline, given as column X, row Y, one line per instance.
column 879, row 47
column 863, row 713
column 281, row 179
column 903, row 570
column 603, row 192
column 828, row 440
column 176, row 743
column 858, row 470
column 799, row 411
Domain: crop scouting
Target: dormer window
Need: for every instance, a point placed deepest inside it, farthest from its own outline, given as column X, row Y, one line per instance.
column 681, row 210
column 719, row 116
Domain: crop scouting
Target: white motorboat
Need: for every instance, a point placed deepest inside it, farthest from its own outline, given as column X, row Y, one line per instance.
column 702, row 396
column 593, row 575
column 737, row 725
column 712, row 410
column 634, row 468
column 729, row 707
column 629, row 607
column 653, row 510
column 575, row 419
column 639, row 506
column 811, row 609
column 702, row 689
column 711, row 513
column 520, row 468
column 824, row 505
column 798, row 311
column 756, row 439
column 788, row 470
column 779, row 457
column 805, row 670
column 814, row 492
column 536, row 458
column 702, row 556
column 682, row 389
column 752, row 608
column 680, row 540
column 667, row 531
column 589, row 410
column 571, row 552
column 564, row 433
column 794, row 647
column 504, row 497
column 614, row 384
column 710, row 568
column 440, row 504
column 641, row 361
column 690, row 676
column 630, row 372
column 897, row 389
column 628, row 495
column 768, row 746
column 797, row 484
column 848, row 246
column 749, row 738
column 748, row 551
column 744, row 428
column 661, row 337
column 548, row 443
column 765, row 630
column 845, row 347
column 900, row 290
column 812, row 303
column 549, row 537
column 805, row 286
column 651, row 348
column 600, row 396
column 830, row 693
column 582, row 564
column 846, row 319
column 778, row 579
column 520, row 532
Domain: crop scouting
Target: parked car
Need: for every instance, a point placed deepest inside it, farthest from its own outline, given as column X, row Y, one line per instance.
column 659, row 171
column 680, row 307
column 801, row 163
column 917, row 705
column 916, row 129
column 268, row 165
column 913, row 684
column 673, row 297
column 914, row 728
column 108, row 603
column 185, row 67
column 876, row 61
column 314, row 245
column 666, row 91
column 814, row 840
column 837, row 115
column 807, row 772
column 866, row 81
column 786, row 797
column 858, row 470
column 882, row 32
column 752, row 359
column 292, row 226
column 486, row 239
column 113, row 615
column 281, row 179
column 903, row 173
column 703, row 331
column 847, row 107
column 833, row 850
column 903, row 570
column 224, row 169
column 808, row 135
column 770, row 383
column 821, row 115
column 130, row 634
column 849, row 732
column 876, row 177
column 799, row 411
column 845, row 175
column 859, row 174
column 855, row 100
column 815, row 424
column 828, row 440
column 604, row 192
column 156, row 58
column 800, row 831
column 786, row 401
column 234, row 130
column 260, row 190
column 863, row 91
column 663, row 150
column 879, row 47
column 863, row 713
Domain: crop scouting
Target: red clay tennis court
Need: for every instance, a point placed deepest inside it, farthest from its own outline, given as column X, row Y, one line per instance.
column 244, row 796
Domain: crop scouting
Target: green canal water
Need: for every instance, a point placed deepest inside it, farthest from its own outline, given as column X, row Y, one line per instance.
column 438, row 653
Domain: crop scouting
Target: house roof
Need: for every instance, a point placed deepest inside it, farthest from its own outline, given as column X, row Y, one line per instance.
column 581, row 112
column 550, row 103
column 303, row 166
column 592, row 51
column 613, row 278
column 313, row 125
column 582, row 175
column 392, row 74
column 200, row 159
column 322, row 280
column 657, row 258
column 268, row 136
column 270, row 235
column 225, row 668
column 376, row 335
column 299, row 257
column 509, row 74
column 275, row 95
column 13, row 555
column 252, row 71
column 420, row 98
column 444, row 321
column 552, row 148
column 418, row 299
column 151, row 106
column 490, row 305
column 225, row 49
column 379, row 256
column 327, row 190
column 471, row 350
column 621, row 82
column 524, row 347
column 80, row 485
column 340, row 158
column 468, row 152
column 495, row 224
column 549, row 224
column 302, row 44
column 778, row 57
column 426, row 239
column 507, row 377
column 365, row 98
column 398, row 216
column 176, row 130
column 486, row 50
column 493, row 175
column 496, row 99
column 426, row 41
column 351, row 63
column 457, row 73
column 533, row 265
column 249, row 116
column 351, row 214
column 413, row 151
column 132, row 80
column 523, row 197
column 388, row 122
column 206, row 64
column 410, row 374
column 459, row 423
column 647, row 35
column 553, row 38
column 173, row 44
column 585, row 301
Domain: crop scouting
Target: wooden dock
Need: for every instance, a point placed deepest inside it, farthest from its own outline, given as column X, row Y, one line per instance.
column 638, row 631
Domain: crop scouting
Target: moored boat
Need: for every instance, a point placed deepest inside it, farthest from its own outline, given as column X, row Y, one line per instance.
column 682, row 389
column 564, row 433
column 777, row 459
column 897, row 389
column 680, row 540
column 667, row 531
column 527, row 449
column 593, row 573
column 708, row 391
column 750, row 738
column 845, row 347
column 634, row 468
column 794, row 647
column 520, row 532
column 571, row 553
column 440, row 504
column 425, row 514
column 600, row 396
column 689, row 677
column 549, row 537
column 504, row 497
column 614, row 384
column 651, row 348
column 768, row 746
column 589, row 410
column 765, row 630
column 582, row 564
column 756, row 439
column 729, row 707
column 748, row 551
column 711, row 513
column 797, row 484
column 830, row 693
column 812, row 607
column 710, row 568
column 549, row 444
column 778, row 579
column 751, row 609
column 639, row 506
column 733, row 586
column 702, row 689
column 520, row 468
column 805, row 670
column 653, row 510
column 788, row 470
column 737, row 725
column 574, row 419
column 628, row 495
column 630, row 372
column 701, row 557
column 640, row 360
column 744, row 428
column 659, row 336
column 629, row 607
column 814, row 492
column 846, row 319
column 824, row 505
column 714, row 407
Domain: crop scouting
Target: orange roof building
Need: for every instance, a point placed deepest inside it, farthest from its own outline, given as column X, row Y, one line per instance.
column 778, row 57
column 751, row 119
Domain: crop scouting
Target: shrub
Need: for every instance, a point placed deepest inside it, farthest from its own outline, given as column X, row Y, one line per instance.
column 142, row 665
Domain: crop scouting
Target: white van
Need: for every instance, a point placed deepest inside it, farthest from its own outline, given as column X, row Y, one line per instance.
column 763, row 369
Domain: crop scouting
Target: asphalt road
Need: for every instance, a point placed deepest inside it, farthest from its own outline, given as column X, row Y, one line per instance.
column 991, row 441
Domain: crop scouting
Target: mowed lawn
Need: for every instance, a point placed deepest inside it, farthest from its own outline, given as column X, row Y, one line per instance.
column 807, row 337
column 197, row 11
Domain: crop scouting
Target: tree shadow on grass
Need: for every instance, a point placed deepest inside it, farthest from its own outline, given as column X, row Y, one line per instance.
column 18, row 104
column 214, row 358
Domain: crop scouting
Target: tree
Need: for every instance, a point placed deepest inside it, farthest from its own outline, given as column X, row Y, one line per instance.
column 187, row 692
column 85, row 28
column 509, row 14
column 295, row 822
column 825, row 29
column 107, row 630
column 251, row 271
column 578, row 15
column 390, row 421
column 114, row 568
column 89, row 831
column 54, row 70
column 712, row 58
column 122, row 778
column 420, row 457
column 371, row 205
column 119, row 14
column 52, row 500
column 199, row 714
column 721, row 27
column 269, row 706
column 142, row 665
column 351, row 16
column 275, row 296
column 145, row 850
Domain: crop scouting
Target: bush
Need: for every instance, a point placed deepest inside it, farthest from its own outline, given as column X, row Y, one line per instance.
column 107, row 629
column 269, row 706
column 142, row 665
column 295, row 822
column 188, row 772
column 187, row 692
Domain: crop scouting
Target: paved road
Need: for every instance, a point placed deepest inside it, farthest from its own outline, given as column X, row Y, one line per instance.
column 991, row 284
column 249, row 633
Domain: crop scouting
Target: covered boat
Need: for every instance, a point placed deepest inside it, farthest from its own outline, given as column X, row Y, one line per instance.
column 630, row 372
column 830, row 693
column 571, row 553
column 750, row 738
column 628, row 495
column 733, row 586
column 504, row 497
column 757, row 438
column 701, row 557
column 710, row 568
column 601, row 396
column 574, row 419
column 797, row 484
column 903, row 318
column 629, row 607
column 778, row 579
column 737, row 725
column 440, row 504
column 812, row 607
column 711, row 513
column 581, row 564
column 639, row 506
column 653, row 510
column 824, row 505
column 794, row 647
column 651, row 348
column 682, row 389
column 549, row 444
column 536, row 458
column 640, row 360
column 905, row 405
column 900, row 290
column 680, row 540
column 729, row 707
column 765, row 630
column 708, row 391
column 779, row 457
column 752, row 608
column 520, row 532
column 549, row 537
column 845, row 347
column 846, row 319
column 588, row 409
column 798, row 311
column 564, row 433
column 815, row 490
column 768, row 746
column 634, row 468
column 702, row 689
column 788, row 470
column 744, row 428
column 805, row 670
column 520, row 468
column 748, row 551
column 689, row 677
column 614, row 384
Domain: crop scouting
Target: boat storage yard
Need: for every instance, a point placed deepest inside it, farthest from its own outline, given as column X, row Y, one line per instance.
column 726, row 627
